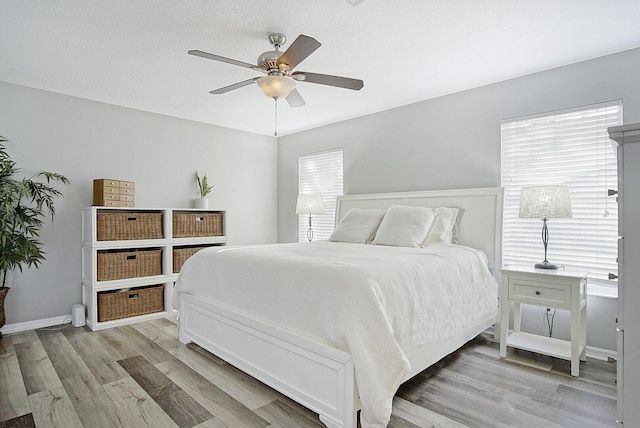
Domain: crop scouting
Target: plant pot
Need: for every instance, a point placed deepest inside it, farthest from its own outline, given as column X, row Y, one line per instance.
column 201, row 203
column 3, row 294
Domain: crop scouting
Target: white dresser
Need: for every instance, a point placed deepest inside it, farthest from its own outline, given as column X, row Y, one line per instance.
column 628, row 139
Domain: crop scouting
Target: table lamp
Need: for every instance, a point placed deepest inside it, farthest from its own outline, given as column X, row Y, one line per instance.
column 309, row 204
column 545, row 202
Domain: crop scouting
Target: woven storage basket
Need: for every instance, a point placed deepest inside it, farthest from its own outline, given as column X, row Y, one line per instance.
column 130, row 303
column 192, row 225
column 180, row 255
column 115, row 226
column 128, row 264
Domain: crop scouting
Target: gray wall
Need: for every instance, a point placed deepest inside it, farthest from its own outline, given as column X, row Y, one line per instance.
column 448, row 142
column 454, row 142
column 85, row 140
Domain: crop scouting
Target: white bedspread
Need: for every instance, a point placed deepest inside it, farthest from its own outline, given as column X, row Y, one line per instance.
column 376, row 303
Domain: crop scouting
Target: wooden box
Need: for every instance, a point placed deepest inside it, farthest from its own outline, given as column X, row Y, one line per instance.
column 113, row 305
column 128, row 264
column 113, row 193
column 197, row 224
column 115, row 226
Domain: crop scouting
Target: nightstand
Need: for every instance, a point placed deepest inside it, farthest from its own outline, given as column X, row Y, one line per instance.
column 561, row 289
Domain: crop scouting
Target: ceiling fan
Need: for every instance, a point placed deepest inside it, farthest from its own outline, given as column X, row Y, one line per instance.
column 280, row 79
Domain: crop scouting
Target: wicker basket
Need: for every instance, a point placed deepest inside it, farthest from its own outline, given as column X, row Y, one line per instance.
column 128, row 264
column 180, row 255
column 130, row 303
column 193, row 225
column 115, row 226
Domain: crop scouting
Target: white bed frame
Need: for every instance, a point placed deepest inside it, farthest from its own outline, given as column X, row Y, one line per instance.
column 317, row 376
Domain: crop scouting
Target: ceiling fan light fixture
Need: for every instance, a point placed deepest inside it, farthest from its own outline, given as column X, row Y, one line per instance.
column 276, row 86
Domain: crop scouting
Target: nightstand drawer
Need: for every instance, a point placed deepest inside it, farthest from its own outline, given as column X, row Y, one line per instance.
column 540, row 293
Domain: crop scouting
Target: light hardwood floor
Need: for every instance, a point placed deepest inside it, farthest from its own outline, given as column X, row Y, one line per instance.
column 141, row 375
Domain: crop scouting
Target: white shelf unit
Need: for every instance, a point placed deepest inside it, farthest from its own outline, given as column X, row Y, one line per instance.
column 91, row 246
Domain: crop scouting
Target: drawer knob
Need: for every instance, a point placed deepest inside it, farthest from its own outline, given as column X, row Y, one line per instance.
column 537, row 293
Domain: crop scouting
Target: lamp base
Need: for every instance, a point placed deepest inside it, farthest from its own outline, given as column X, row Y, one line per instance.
column 546, row 265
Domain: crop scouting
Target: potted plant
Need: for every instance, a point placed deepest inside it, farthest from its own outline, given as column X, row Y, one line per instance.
column 202, row 202
column 24, row 205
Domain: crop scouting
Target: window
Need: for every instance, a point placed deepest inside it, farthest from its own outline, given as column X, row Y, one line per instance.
column 320, row 174
column 569, row 147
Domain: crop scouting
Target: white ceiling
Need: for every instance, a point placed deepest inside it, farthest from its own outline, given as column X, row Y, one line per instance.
column 134, row 53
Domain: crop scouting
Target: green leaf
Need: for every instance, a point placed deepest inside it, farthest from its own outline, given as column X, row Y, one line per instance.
column 203, row 185
column 24, row 206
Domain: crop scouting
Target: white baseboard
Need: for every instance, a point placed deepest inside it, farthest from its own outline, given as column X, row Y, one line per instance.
column 19, row 327
column 601, row 354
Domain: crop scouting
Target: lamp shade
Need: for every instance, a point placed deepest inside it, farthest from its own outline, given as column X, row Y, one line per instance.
column 545, row 202
column 309, row 204
column 276, row 86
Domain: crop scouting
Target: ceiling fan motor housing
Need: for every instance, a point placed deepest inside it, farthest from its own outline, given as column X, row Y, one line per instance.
column 267, row 61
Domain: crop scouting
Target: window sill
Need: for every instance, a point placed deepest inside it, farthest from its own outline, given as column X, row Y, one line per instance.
column 600, row 290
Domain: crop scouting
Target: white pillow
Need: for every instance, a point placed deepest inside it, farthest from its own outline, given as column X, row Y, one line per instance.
column 442, row 231
column 357, row 226
column 405, row 226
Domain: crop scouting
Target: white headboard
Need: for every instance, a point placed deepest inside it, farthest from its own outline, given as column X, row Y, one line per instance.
column 481, row 213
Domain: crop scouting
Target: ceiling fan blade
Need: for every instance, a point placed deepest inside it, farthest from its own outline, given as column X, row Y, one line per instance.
column 234, row 86
column 295, row 99
column 326, row 79
column 214, row 57
column 301, row 48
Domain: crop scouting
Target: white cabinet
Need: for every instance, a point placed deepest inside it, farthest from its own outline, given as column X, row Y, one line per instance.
column 561, row 289
column 628, row 139
column 131, row 250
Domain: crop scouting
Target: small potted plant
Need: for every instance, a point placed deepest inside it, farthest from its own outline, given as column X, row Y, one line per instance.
column 202, row 202
column 24, row 205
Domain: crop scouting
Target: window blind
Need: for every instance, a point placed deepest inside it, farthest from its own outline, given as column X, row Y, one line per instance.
column 320, row 174
column 569, row 147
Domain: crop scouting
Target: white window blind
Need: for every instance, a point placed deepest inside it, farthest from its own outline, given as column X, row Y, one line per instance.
column 320, row 174
column 569, row 147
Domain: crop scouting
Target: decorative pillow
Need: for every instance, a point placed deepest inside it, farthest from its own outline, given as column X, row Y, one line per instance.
column 442, row 231
column 456, row 227
column 405, row 226
column 357, row 226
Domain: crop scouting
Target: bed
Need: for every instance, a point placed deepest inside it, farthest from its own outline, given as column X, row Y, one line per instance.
column 352, row 350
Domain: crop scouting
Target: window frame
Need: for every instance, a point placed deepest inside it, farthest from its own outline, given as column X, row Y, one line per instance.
column 561, row 152
column 320, row 173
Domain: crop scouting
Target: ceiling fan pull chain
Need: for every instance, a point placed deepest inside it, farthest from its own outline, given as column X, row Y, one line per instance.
column 275, row 134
